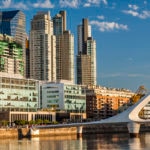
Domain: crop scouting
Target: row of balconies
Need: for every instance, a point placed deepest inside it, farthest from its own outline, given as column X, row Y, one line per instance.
column 20, row 99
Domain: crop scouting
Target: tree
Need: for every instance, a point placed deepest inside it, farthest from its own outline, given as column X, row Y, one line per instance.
column 31, row 122
column 39, row 121
column 20, row 122
column 46, row 121
column 4, row 122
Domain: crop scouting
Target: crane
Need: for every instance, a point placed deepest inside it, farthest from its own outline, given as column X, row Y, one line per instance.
column 141, row 91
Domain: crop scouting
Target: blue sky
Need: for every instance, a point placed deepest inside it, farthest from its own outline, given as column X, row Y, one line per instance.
column 121, row 29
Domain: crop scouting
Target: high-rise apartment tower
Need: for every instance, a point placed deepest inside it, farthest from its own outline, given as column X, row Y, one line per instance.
column 42, row 48
column 11, row 57
column 86, row 58
column 64, row 48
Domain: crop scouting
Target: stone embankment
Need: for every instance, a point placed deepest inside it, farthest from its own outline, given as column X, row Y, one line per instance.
column 29, row 132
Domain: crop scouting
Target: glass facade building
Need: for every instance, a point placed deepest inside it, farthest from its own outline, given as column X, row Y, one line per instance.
column 13, row 23
column 59, row 22
column 18, row 94
column 63, row 96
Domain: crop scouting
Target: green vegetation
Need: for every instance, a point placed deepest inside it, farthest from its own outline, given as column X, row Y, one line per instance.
column 4, row 123
column 20, row 122
column 32, row 122
column 11, row 50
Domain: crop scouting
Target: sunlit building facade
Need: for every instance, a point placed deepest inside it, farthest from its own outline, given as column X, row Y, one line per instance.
column 42, row 48
column 12, row 116
column 63, row 96
column 86, row 58
column 102, row 102
column 11, row 57
column 18, row 94
column 64, row 48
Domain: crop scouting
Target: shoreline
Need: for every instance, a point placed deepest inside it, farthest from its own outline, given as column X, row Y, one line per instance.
column 43, row 132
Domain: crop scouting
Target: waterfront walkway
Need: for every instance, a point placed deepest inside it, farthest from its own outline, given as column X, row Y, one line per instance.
column 129, row 116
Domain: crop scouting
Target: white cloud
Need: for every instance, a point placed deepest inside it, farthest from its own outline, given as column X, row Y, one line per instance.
column 123, row 74
column 143, row 15
column 95, row 2
column 11, row 4
column 45, row 4
column 87, row 5
column 134, row 7
column 115, row 75
column 101, row 17
column 109, row 75
column 131, row 12
column 138, row 75
column 20, row 5
column 105, row 2
column 69, row 3
column 109, row 26
column 6, row 3
column 145, row 2
column 134, row 11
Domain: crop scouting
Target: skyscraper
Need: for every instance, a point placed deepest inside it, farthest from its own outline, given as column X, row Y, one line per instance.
column 64, row 48
column 86, row 58
column 42, row 48
column 12, row 23
column 59, row 22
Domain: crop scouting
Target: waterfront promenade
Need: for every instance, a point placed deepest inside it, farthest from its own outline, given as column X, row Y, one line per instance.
column 127, row 121
column 63, row 131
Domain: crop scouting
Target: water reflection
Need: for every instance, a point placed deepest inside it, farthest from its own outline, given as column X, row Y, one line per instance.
column 87, row 142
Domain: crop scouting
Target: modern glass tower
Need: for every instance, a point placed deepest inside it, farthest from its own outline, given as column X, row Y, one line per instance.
column 12, row 23
column 59, row 22
column 86, row 58
column 64, row 48
column 42, row 48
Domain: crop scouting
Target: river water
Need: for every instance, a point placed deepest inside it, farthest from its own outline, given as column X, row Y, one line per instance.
column 87, row 142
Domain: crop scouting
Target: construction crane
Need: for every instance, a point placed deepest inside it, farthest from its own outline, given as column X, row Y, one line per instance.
column 141, row 91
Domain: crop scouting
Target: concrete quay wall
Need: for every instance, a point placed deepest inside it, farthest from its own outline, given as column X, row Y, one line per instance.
column 26, row 132
column 113, row 128
column 57, row 131
column 14, row 133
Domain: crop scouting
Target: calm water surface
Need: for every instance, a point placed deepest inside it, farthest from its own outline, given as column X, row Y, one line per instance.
column 87, row 142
